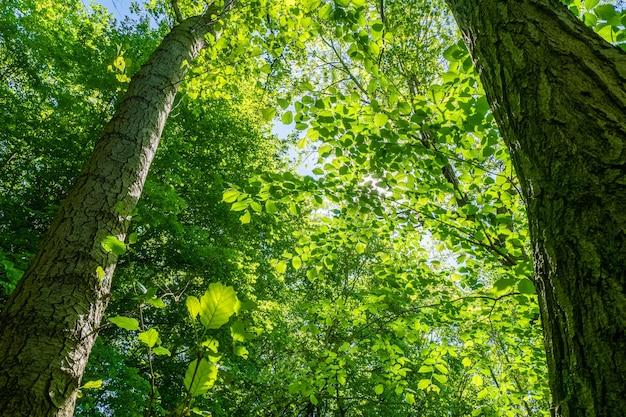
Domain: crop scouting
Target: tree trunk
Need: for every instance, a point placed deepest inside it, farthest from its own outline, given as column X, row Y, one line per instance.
column 557, row 91
column 50, row 323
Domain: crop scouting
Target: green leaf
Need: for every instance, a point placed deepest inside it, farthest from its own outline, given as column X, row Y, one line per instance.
column 156, row 302
column 466, row 362
column 113, row 245
column 193, row 306
column 380, row 119
column 230, row 196
column 268, row 114
column 442, row 379
column 477, row 380
column 270, row 207
column 409, row 398
column 200, row 377
column 238, row 332
column 92, row 384
column 379, row 389
column 313, row 399
column 245, row 218
column 423, row 384
column 239, row 206
column 160, row 350
column 590, row 4
column 360, row 247
column 132, row 238
column 504, row 284
column 296, row 262
column 149, row 337
column 217, row 305
column 287, row 118
column 425, row 369
column 281, row 267
column 324, row 13
column 441, row 368
column 240, row 351
column 283, row 103
column 526, row 286
column 100, row 273
column 126, row 323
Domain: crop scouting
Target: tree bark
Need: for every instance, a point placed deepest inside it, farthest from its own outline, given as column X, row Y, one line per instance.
column 557, row 92
column 50, row 323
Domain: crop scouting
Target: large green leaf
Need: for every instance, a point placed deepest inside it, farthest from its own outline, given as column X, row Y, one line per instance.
column 217, row 304
column 200, row 377
column 113, row 245
column 149, row 337
column 125, row 322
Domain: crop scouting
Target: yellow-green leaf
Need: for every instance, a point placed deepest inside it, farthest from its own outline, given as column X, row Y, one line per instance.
column 477, row 380
column 380, row 119
column 149, row 337
column 100, row 273
column 160, row 350
column 200, row 377
column 193, row 306
column 270, row 207
column 379, row 389
column 230, row 196
column 423, row 384
column 245, row 218
column 240, row 351
column 113, row 245
column 296, row 262
column 126, row 323
column 93, row 384
column 217, row 305
column 287, row 118
column 360, row 247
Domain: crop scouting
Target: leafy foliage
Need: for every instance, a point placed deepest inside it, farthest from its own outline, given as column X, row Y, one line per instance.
column 394, row 279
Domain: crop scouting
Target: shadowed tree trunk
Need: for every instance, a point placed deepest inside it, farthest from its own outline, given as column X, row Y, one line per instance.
column 50, row 323
column 557, row 91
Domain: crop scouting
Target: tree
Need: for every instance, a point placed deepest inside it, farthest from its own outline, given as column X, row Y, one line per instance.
column 51, row 320
column 557, row 92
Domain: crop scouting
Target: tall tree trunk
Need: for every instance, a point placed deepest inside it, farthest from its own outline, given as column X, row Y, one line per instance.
column 50, row 323
column 557, row 91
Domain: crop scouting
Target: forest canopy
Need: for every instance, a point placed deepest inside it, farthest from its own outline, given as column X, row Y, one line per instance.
column 376, row 261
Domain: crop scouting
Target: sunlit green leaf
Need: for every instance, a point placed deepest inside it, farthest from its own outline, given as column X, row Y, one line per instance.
column 217, row 305
column 161, row 351
column 113, row 245
column 200, row 377
column 149, row 337
column 193, row 306
column 126, row 323
column 92, row 384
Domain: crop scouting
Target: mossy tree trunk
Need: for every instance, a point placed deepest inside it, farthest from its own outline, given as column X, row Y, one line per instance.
column 558, row 93
column 49, row 325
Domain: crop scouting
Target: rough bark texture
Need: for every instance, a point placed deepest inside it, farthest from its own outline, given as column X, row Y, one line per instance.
column 558, row 93
column 49, row 325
